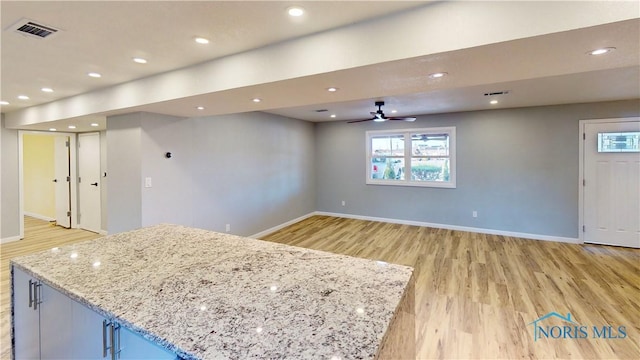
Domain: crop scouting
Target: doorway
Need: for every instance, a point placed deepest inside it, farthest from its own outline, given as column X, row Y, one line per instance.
column 610, row 189
column 46, row 172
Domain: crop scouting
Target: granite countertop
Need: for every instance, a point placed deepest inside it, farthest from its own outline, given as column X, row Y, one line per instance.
column 206, row 295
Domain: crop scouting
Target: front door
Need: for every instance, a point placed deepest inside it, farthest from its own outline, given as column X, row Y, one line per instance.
column 89, row 181
column 612, row 183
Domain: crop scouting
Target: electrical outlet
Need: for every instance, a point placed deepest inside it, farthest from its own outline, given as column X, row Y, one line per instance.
column 227, row 227
column 344, row 203
column 474, row 214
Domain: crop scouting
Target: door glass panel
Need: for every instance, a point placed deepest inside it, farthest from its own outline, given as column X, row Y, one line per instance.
column 618, row 142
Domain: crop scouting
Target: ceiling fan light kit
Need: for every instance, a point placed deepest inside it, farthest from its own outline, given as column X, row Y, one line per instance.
column 379, row 116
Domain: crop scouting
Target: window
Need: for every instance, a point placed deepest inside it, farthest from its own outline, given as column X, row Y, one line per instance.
column 413, row 157
column 619, row 142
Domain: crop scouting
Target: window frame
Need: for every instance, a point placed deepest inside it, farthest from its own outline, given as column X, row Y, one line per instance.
column 407, row 133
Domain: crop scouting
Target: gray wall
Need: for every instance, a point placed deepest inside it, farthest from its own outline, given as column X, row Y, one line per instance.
column 9, row 192
column 517, row 167
column 124, row 208
column 253, row 171
column 169, row 200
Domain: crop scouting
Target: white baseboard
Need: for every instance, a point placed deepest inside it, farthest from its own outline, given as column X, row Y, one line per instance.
column 9, row 239
column 278, row 227
column 455, row 227
column 101, row 232
column 38, row 216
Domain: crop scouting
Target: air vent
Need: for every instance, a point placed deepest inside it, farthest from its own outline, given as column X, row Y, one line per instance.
column 321, row 110
column 504, row 92
column 33, row 29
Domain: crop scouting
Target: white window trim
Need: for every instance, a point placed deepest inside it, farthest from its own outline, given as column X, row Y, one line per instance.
column 451, row 130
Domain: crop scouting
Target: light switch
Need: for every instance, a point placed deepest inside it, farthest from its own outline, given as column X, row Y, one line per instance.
column 147, row 182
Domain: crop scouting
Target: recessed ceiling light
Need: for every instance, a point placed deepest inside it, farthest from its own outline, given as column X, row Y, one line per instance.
column 601, row 51
column 437, row 75
column 394, row 111
column 256, row 100
column 332, row 89
column 139, row 60
column 201, row 40
column 4, row 102
column 46, row 89
column 94, row 124
column 200, row 107
column 71, row 126
column 23, row 97
column 333, row 115
column 52, row 129
column 94, row 74
column 493, row 102
column 295, row 11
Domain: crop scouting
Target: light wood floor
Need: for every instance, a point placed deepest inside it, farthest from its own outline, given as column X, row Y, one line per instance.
column 475, row 293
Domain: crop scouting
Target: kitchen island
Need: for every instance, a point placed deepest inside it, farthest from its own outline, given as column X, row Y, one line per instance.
column 197, row 294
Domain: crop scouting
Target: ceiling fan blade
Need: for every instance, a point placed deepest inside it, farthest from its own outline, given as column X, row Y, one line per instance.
column 379, row 116
column 357, row 121
column 402, row 118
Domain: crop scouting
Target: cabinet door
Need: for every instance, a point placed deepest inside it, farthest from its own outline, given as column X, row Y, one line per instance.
column 134, row 346
column 55, row 325
column 26, row 320
column 88, row 333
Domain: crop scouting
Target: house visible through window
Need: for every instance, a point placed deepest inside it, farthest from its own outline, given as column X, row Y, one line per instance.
column 413, row 157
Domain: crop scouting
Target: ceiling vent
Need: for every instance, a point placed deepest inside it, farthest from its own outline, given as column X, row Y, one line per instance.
column 504, row 92
column 321, row 110
column 33, row 29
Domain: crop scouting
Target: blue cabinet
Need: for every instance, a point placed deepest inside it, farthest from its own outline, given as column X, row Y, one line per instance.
column 41, row 319
column 50, row 325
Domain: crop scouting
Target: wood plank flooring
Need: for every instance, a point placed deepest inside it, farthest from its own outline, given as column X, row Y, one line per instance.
column 476, row 294
column 38, row 235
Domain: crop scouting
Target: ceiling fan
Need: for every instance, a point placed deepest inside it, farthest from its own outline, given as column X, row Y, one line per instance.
column 379, row 116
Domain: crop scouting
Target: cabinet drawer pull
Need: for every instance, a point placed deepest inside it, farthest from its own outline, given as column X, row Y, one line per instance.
column 113, row 349
column 105, row 324
column 36, row 295
column 30, row 293
column 116, row 341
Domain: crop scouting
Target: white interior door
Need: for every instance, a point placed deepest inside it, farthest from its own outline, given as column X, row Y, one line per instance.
column 62, row 181
column 612, row 183
column 89, row 181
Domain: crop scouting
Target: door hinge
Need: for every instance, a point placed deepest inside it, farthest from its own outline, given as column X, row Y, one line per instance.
column 79, row 179
column 584, row 182
column 66, row 143
column 584, row 228
column 584, row 136
column 68, row 178
column 68, row 213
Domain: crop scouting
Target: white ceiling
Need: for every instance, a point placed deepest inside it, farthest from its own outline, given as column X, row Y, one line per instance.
column 103, row 36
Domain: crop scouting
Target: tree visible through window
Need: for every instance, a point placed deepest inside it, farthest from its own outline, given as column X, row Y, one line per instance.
column 418, row 157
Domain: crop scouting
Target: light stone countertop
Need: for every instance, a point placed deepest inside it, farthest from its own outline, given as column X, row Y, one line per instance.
column 209, row 295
